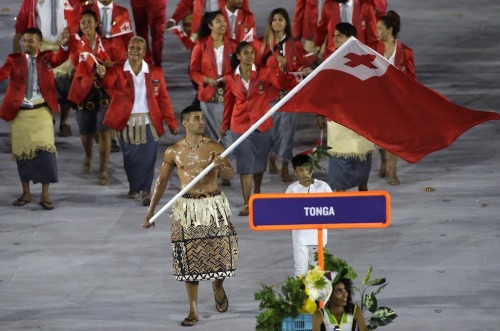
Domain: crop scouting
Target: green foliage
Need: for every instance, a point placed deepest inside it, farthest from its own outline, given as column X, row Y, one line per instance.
column 317, row 154
column 380, row 316
column 276, row 306
column 335, row 263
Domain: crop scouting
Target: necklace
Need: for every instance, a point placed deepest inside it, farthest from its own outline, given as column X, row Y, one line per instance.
column 194, row 147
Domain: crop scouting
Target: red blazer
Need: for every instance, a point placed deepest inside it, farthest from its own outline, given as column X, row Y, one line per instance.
column 122, row 84
column 197, row 7
column 147, row 3
column 116, row 47
column 84, row 76
column 363, row 18
column 203, row 64
column 16, row 68
column 305, row 19
column 243, row 108
column 404, row 59
column 26, row 18
column 245, row 21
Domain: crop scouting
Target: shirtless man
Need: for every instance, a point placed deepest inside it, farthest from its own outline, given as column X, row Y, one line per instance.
column 202, row 233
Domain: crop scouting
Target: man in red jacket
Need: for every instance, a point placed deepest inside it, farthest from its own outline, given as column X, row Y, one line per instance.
column 305, row 20
column 27, row 104
column 51, row 21
column 239, row 21
column 150, row 18
column 356, row 12
column 139, row 106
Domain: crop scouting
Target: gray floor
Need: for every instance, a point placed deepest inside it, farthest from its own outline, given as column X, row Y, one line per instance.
column 88, row 265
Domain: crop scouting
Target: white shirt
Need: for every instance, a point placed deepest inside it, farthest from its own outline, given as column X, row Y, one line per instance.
column 237, row 72
column 219, row 58
column 350, row 8
column 308, row 237
column 320, row 8
column 140, row 96
column 109, row 12
column 43, row 19
column 211, row 5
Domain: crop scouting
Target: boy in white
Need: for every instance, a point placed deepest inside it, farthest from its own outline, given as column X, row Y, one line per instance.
column 305, row 242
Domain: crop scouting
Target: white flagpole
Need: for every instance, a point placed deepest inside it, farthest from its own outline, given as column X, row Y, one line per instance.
column 238, row 141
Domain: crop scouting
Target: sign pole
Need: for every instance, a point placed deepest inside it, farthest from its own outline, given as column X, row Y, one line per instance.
column 321, row 258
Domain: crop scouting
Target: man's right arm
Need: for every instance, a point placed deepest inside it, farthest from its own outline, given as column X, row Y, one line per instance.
column 6, row 68
column 22, row 23
column 182, row 10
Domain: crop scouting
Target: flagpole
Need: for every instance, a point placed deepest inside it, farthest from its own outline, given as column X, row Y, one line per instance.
column 238, row 141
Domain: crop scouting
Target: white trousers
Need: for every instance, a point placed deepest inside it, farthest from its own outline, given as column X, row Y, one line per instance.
column 303, row 256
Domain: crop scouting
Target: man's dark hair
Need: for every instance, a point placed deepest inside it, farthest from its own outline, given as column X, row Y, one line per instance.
column 36, row 32
column 300, row 159
column 347, row 29
column 187, row 111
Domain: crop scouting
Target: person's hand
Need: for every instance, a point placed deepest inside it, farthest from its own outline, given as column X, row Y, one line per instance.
column 218, row 161
column 316, row 50
column 169, row 25
column 306, row 71
column 320, row 123
column 175, row 131
column 100, row 70
column 210, row 81
column 281, row 62
column 65, row 37
column 222, row 134
column 146, row 224
column 108, row 63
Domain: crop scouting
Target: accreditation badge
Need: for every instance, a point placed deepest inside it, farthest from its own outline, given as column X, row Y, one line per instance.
column 156, row 87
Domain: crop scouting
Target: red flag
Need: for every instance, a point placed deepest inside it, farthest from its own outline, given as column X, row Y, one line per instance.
column 183, row 37
column 358, row 88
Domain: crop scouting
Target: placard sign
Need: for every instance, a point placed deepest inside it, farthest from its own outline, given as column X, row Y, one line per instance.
column 338, row 210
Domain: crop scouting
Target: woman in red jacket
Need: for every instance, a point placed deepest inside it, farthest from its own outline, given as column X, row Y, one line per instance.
column 86, row 50
column 210, row 61
column 280, row 51
column 400, row 56
column 247, row 98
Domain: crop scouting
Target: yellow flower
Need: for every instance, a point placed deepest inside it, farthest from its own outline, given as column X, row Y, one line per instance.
column 308, row 307
column 315, row 278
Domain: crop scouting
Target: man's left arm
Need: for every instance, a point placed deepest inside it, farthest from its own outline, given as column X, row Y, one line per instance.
column 62, row 55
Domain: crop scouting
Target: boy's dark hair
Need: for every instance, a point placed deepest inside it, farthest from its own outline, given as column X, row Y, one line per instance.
column 347, row 29
column 300, row 159
column 37, row 32
column 188, row 110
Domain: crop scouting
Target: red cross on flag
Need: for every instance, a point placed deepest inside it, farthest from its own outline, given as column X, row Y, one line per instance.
column 360, row 89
